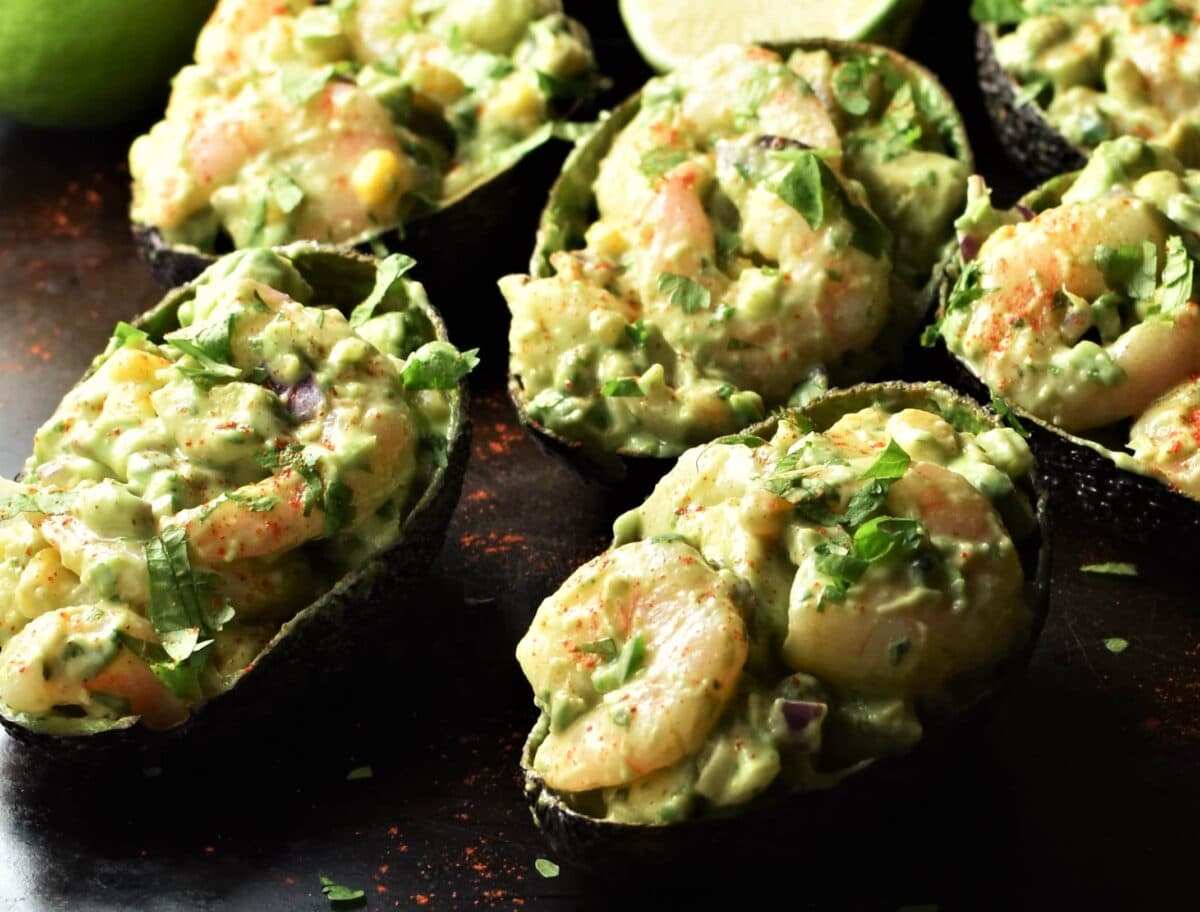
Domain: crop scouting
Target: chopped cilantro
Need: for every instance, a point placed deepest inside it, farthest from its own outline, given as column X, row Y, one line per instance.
column 299, row 82
column 1002, row 408
column 1164, row 12
column 1177, row 276
column 624, row 388
column 438, row 365
column 183, row 601
column 360, row 772
column 849, row 88
column 337, row 506
column 50, row 504
column 389, row 273
column 337, row 893
column 285, row 192
column 1116, row 645
column 998, row 12
column 661, row 159
column 687, row 294
column 637, row 333
column 125, row 334
column 1129, row 269
column 804, row 188
column 892, row 463
column 749, row 440
column 1111, row 568
column 546, row 867
column 605, row 647
column 264, row 504
column 967, row 290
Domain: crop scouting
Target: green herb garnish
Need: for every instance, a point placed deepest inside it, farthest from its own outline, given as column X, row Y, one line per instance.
column 605, row 647
column 661, row 159
column 1111, row 568
column 546, row 867
column 1008, row 416
column 360, row 772
column 337, row 893
column 299, row 83
column 687, row 294
column 183, row 602
column 1116, row 645
column 50, row 504
column 749, row 440
column 624, row 388
column 389, row 273
column 438, row 365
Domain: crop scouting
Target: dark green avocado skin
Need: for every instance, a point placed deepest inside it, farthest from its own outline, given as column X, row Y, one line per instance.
column 326, row 638
column 814, row 826
column 570, row 208
column 1025, row 134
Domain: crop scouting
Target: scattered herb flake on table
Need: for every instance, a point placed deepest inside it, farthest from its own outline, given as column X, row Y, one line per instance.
column 546, row 867
column 1111, row 568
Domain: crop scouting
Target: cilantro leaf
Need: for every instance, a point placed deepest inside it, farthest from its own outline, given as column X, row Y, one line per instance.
column 748, row 440
column 1001, row 408
column 616, row 672
column 1129, row 269
column 546, row 867
column 438, row 365
column 1164, row 12
column 16, row 504
column 1111, row 568
column 606, row 647
column 337, row 507
column 804, row 188
column 997, row 12
column 1177, row 276
column 360, row 772
column 183, row 601
column 685, row 293
column 891, row 464
column 208, row 344
column 389, row 273
column 661, row 159
column 849, row 87
column 286, row 193
column 337, row 893
column 125, row 334
column 637, row 333
column 968, row 288
column 1116, row 645
column 624, row 388
column 299, row 83
column 883, row 535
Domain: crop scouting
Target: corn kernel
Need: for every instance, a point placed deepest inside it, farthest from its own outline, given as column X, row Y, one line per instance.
column 380, row 177
column 438, row 83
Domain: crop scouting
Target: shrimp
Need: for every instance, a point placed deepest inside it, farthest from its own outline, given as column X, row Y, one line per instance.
column 665, row 703
column 75, row 657
column 242, row 33
column 1018, row 335
column 893, row 633
column 358, row 409
column 1165, row 439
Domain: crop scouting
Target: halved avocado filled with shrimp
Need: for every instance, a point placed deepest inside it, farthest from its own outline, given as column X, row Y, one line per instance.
column 838, row 585
column 1078, row 307
column 342, row 122
column 245, row 479
column 1060, row 78
column 744, row 231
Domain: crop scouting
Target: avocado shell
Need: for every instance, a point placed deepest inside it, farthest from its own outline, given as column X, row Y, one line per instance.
column 486, row 219
column 615, row 849
column 323, row 638
column 1137, row 507
column 571, row 208
column 1025, row 134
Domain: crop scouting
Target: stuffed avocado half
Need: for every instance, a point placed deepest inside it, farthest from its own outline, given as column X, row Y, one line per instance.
column 1078, row 307
column 790, row 604
column 338, row 122
column 1063, row 76
column 744, row 230
column 249, row 462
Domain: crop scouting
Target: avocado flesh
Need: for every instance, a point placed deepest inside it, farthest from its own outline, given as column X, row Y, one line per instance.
column 611, row 848
column 321, row 638
column 570, row 209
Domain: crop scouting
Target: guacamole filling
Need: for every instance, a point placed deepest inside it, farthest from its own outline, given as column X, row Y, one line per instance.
column 777, row 612
column 339, row 121
column 1103, row 70
column 197, row 489
column 760, row 225
column 1084, row 313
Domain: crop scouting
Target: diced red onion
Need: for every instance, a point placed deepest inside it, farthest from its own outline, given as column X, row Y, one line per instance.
column 800, row 714
column 302, row 399
column 969, row 246
column 1025, row 212
column 779, row 143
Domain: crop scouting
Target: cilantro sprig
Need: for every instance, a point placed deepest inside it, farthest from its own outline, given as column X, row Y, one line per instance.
column 438, row 365
column 810, row 185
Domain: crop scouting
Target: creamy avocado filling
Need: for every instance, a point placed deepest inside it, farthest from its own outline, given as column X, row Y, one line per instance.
column 1084, row 313
column 1103, row 70
column 776, row 612
column 196, row 489
column 760, row 224
column 336, row 122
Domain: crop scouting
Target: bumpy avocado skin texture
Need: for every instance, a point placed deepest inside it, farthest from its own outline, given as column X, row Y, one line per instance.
column 325, row 638
column 1025, row 134
column 778, row 818
column 570, row 208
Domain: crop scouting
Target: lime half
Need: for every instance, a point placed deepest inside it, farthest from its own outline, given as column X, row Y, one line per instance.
column 669, row 33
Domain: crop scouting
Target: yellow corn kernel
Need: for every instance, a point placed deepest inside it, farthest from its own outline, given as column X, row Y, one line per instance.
column 606, row 239
column 438, row 83
column 380, row 177
column 517, row 101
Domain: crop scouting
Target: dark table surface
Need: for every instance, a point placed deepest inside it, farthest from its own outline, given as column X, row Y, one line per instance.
column 1080, row 792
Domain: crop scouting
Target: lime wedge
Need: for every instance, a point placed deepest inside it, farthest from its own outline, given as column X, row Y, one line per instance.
column 669, row 33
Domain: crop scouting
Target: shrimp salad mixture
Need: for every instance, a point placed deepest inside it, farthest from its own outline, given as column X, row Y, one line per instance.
column 195, row 490
column 1103, row 70
column 337, row 121
column 1085, row 313
column 776, row 611
column 761, row 222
